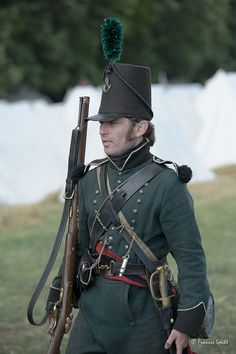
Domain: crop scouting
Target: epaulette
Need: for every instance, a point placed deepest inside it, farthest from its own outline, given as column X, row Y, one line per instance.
column 80, row 170
column 97, row 162
column 184, row 172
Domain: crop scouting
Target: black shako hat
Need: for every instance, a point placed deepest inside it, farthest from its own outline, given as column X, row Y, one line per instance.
column 126, row 90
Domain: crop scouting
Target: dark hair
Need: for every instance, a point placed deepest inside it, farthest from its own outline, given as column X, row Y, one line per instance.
column 150, row 133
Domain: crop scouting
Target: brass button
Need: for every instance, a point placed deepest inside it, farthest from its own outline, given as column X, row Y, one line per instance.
column 110, row 238
column 97, row 191
column 119, row 181
column 109, row 247
column 139, row 200
column 135, row 211
column 146, row 184
column 141, row 191
column 120, row 173
column 94, row 201
column 133, row 221
column 126, row 247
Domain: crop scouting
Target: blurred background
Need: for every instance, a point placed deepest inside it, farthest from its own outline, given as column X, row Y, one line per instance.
column 50, row 55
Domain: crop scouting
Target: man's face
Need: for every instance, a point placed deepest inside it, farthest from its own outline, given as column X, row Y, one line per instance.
column 118, row 136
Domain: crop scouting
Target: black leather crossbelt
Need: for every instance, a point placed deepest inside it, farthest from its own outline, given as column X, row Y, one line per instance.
column 107, row 214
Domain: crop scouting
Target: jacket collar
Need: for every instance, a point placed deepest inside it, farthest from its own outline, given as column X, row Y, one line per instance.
column 132, row 158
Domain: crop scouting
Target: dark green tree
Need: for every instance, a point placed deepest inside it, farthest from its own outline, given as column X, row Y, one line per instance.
column 186, row 39
column 50, row 46
column 231, row 63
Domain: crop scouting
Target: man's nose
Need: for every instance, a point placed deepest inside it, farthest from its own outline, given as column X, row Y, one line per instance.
column 103, row 128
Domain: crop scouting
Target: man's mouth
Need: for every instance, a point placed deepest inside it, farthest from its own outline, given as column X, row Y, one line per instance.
column 106, row 142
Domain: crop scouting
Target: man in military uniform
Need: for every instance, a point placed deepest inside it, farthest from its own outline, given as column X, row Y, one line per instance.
column 133, row 212
column 116, row 310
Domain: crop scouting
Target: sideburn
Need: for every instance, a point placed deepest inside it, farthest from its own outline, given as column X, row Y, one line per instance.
column 130, row 133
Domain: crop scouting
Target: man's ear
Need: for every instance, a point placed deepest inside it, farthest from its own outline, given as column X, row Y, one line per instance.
column 141, row 128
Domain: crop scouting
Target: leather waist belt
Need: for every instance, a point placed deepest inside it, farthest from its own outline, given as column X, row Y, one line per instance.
column 131, row 269
column 114, row 268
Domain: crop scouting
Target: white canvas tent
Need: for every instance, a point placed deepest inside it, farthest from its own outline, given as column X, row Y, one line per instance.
column 216, row 105
column 194, row 126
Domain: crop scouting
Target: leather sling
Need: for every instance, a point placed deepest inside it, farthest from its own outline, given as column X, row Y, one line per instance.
column 48, row 268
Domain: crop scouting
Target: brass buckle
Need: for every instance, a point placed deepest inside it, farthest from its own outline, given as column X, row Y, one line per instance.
column 105, row 267
column 120, row 228
column 68, row 198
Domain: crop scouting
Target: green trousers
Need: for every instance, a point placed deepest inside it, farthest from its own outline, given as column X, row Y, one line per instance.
column 116, row 317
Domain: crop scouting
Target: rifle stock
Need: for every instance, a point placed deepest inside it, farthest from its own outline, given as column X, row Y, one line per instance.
column 65, row 305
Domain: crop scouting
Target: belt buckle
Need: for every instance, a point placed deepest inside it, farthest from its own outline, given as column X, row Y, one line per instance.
column 105, row 267
column 109, row 269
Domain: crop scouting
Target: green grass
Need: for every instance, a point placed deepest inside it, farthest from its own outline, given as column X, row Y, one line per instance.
column 215, row 204
column 27, row 235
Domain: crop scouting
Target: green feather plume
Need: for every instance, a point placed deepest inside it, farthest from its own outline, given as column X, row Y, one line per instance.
column 112, row 38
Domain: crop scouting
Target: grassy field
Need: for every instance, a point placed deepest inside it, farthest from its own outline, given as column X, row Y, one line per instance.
column 27, row 235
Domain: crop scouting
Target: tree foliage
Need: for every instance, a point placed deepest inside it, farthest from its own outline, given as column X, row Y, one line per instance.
column 50, row 46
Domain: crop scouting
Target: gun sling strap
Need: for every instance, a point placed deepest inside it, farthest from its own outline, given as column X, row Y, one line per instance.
column 48, row 268
column 110, row 211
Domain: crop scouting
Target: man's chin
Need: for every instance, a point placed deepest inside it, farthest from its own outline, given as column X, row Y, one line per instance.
column 111, row 152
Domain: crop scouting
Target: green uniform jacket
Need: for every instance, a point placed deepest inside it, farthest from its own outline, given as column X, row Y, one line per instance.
column 162, row 214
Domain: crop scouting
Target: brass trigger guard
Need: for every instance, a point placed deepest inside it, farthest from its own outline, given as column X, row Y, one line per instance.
column 54, row 314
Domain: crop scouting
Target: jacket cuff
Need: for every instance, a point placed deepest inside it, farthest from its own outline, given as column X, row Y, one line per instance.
column 53, row 297
column 189, row 321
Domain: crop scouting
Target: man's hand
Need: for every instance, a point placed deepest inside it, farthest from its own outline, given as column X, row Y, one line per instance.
column 68, row 323
column 52, row 322
column 181, row 341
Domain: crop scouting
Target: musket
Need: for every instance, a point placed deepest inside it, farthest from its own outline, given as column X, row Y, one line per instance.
column 65, row 305
column 63, row 308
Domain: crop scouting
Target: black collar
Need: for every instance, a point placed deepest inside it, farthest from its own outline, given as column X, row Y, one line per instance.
column 132, row 158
